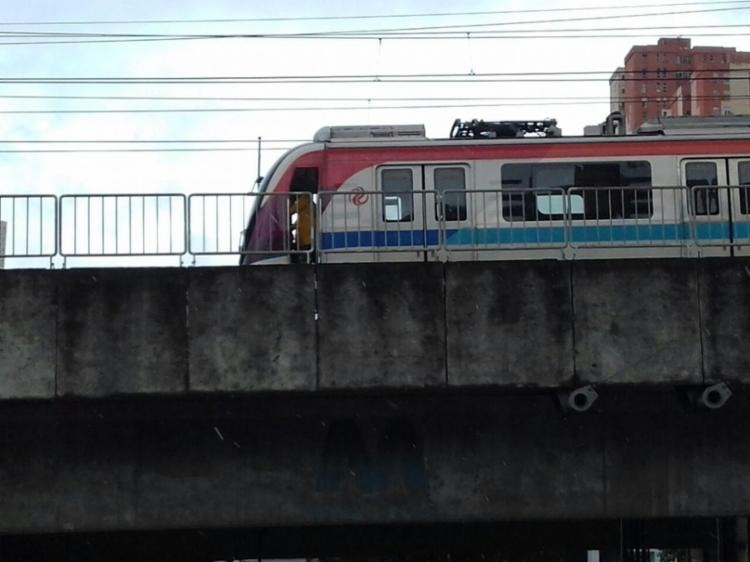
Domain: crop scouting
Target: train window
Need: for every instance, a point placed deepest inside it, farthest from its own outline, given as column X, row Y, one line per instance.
column 305, row 179
column 398, row 199
column 558, row 205
column 744, row 170
column 450, row 180
column 594, row 190
column 701, row 178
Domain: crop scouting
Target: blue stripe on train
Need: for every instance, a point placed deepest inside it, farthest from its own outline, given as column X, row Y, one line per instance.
column 531, row 236
column 378, row 239
column 742, row 231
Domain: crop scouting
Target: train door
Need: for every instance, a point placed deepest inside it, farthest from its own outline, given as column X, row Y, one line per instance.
column 446, row 209
column 400, row 233
column 707, row 204
column 739, row 179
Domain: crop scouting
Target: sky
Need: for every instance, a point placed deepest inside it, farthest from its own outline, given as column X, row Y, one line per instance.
column 468, row 57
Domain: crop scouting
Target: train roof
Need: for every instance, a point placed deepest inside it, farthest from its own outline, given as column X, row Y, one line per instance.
column 481, row 133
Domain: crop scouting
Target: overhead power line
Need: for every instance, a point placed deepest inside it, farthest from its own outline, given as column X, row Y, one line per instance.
column 504, row 37
column 529, row 76
column 524, row 103
column 291, row 99
column 527, row 22
column 133, row 150
column 386, row 34
column 152, row 141
column 357, row 17
column 392, row 33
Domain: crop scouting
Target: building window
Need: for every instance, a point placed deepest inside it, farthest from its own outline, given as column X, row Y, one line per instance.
column 644, row 88
column 596, row 190
column 450, row 180
column 398, row 198
column 702, row 179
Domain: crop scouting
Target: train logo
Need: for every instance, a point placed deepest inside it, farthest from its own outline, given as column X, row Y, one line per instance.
column 359, row 197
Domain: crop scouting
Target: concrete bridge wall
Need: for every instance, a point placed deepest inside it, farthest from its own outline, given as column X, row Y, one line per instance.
column 105, row 332
column 213, row 398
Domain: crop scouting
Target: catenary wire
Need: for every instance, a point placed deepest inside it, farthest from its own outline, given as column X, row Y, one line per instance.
column 133, row 150
column 178, row 150
column 390, row 38
column 330, row 99
column 284, row 78
column 359, row 17
column 384, row 34
column 376, row 32
column 318, row 108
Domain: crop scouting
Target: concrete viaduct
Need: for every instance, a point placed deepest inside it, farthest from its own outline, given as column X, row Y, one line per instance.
column 195, row 414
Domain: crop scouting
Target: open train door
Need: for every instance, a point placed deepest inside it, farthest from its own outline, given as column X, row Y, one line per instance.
column 739, row 180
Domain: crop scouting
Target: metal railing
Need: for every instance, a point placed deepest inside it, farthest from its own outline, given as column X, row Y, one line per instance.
column 491, row 219
column 632, row 217
column 711, row 225
column 487, row 220
column 283, row 223
column 367, row 221
column 359, row 221
column 28, row 226
column 133, row 224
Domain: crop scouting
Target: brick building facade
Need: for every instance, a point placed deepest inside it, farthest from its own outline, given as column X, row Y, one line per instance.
column 672, row 78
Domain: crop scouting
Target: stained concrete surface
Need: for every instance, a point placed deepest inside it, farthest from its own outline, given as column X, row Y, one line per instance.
column 122, row 332
column 381, row 326
column 104, row 332
column 252, row 329
column 509, row 323
column 725, row 319
column 637, row 321
column 393, row 460
column 28, row 308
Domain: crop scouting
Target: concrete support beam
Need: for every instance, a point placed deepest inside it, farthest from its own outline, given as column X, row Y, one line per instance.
column 509, row 324
column 381, row 325
column 637, row 322
column 281, row 461
column 28, row 308
column 122, row 332
column 252, row 329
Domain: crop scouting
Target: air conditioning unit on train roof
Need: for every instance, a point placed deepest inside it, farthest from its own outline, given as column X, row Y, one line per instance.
column 369, row 132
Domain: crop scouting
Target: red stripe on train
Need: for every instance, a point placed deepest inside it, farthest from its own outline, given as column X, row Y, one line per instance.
column 340, row 163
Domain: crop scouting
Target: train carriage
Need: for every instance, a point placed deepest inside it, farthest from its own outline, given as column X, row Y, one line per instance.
column 503, row 190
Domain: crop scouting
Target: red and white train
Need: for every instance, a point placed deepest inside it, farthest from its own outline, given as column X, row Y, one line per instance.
column 506, row 190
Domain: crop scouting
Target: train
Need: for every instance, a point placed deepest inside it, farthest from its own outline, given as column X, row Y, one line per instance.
column 502, row 190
